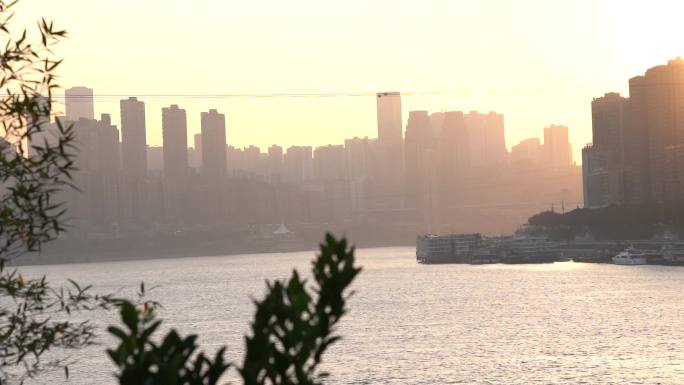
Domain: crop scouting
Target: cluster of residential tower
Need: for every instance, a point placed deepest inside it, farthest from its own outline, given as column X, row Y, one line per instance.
column 637, row 153
column 442, row 170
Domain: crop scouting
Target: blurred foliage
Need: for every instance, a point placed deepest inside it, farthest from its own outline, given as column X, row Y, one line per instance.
column 36, row 163
column 292, row 328
column 174, row 361
column 30, row 214
column 293, row 325
column 36, row 321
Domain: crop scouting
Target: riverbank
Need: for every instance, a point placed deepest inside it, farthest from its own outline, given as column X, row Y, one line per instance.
column 170, row 246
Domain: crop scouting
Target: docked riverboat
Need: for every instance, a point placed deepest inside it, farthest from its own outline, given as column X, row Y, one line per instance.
column 630, row 256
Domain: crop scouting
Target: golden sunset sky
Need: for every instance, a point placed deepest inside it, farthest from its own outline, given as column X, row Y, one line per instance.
column 537, row 61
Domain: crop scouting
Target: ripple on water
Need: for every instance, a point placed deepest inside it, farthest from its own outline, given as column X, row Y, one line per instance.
column 413, row 324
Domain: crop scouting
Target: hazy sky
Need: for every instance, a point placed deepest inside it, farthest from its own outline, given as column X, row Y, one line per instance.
column 537, row 61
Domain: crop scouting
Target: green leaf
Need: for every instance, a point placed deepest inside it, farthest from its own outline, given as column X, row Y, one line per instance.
column 129, row 315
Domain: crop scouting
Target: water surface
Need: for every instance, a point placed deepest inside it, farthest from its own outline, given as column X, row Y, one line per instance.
column 562, row 323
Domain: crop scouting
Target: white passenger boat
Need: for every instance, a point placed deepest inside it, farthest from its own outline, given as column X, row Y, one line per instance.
column 630, row 256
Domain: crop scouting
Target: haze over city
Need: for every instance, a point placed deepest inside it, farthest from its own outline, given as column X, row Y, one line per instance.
column 537, row 62
column 191, row 192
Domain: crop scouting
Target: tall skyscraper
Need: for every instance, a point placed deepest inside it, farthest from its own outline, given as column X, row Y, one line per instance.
column 328, row 162
column 109, row 147
column 454, row 144
column 275, row 163
column 495, row 139
column 657, row 111
column 608, row 115
column 235, row 161
column 436, row 121
column 175, row 135
column 133, row 138
column 419, row 128
column 388, row 180
column 527, row 153
column 155, row 161
column 330, row 180
column 389, row 118
column 195, row 154
column 252, row 160
column 95, row 206
column 214, row 166
column 48, row 135
column 603, row 161
column 454, row 155
column 197, row 140
column 248, row 161
column 602, row 178
column 557, row 148
column 673, row 174
column 133, row 162
column 486, row 139
column 591, row 186
column 418, row 158
column 638, row 141
column 79, row 103
column 298, row 164
column 214, row 204
column 635, row 139
column 358, row 170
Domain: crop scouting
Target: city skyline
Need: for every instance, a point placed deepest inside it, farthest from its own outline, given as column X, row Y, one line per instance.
column 534, row 79
column 507, row 177
column 82, row 98
column 638, row 141
column 424, row 175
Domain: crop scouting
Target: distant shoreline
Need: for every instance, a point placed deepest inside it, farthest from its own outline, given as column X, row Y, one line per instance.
column 95, row 254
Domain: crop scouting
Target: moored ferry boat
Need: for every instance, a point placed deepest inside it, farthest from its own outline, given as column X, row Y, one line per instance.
column 531, row 249
column 475, row 249
column 452, row 248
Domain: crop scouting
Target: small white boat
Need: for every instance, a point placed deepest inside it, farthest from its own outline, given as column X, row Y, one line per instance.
column 630, row 256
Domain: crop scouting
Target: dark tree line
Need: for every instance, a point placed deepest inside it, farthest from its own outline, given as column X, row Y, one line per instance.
column 617, row 222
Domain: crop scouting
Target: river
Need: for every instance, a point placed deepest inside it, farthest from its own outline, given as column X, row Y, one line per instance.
column 561, row 323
